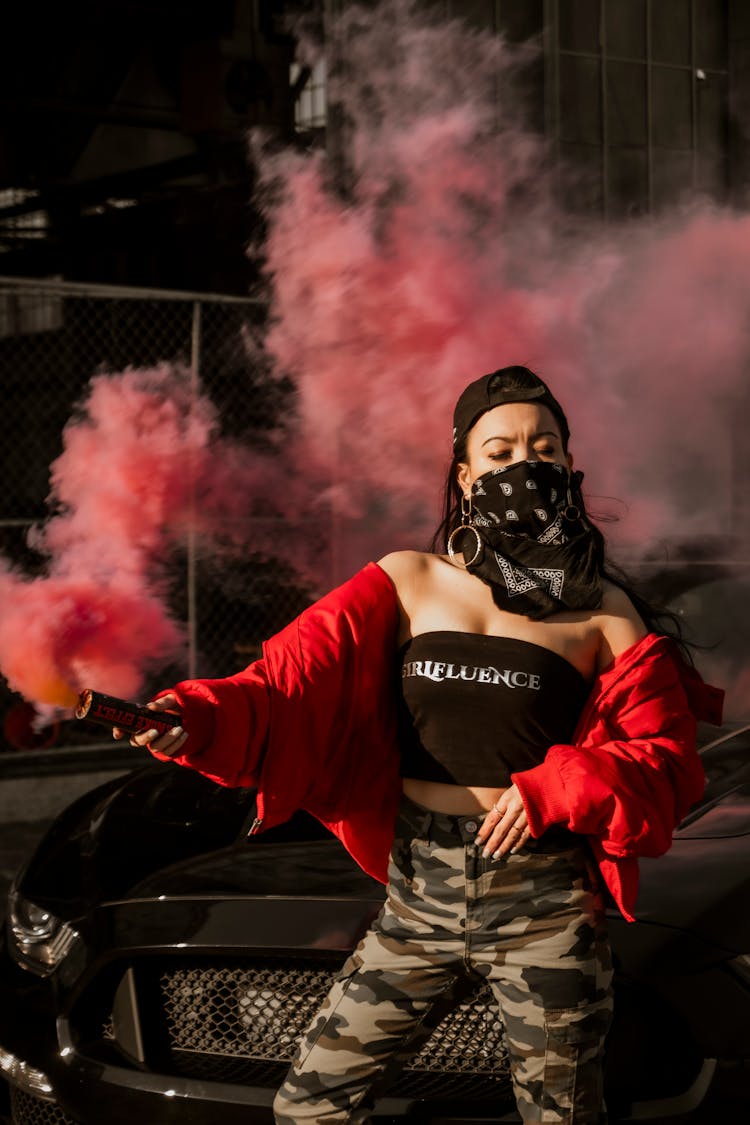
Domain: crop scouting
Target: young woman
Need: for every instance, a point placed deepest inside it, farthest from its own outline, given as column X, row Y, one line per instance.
column 529, row 732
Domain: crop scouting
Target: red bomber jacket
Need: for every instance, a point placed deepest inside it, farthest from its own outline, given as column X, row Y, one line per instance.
column 312, row 724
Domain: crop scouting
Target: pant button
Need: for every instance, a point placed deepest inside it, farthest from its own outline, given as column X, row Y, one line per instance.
column 470, row 826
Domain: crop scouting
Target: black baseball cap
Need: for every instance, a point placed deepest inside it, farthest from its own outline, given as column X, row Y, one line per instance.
column 508, row 384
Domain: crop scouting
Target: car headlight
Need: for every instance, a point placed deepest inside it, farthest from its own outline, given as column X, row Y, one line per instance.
column 741, row 966
column 37, row 938
column 26, row 1077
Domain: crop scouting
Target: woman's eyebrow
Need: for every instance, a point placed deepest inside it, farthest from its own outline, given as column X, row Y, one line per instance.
column 510, row 440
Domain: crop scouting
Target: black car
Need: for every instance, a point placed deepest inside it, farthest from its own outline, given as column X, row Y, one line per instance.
column 159, row 963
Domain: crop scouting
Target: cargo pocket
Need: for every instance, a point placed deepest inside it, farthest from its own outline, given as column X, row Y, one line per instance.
column 583, row 1024
column 572, row 1085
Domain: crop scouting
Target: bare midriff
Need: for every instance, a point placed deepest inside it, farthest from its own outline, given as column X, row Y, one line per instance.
column 456, row 800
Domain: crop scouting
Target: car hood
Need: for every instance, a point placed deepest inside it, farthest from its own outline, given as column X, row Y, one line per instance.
column 702, row 884
column 164, row 830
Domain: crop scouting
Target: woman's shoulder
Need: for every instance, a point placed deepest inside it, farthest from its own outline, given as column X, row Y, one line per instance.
column 407, row 570
column 619, row 623
column 399, row 564
column 616, row 602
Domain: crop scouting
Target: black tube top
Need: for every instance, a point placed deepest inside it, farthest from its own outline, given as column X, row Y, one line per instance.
column 473, row 708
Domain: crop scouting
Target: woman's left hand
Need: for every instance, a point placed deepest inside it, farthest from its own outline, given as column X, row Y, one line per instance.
column 505, row 828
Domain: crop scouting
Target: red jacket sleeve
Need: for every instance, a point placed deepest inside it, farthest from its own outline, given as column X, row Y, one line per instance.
column 291, row 715
column 635, row 773
column 227, row 725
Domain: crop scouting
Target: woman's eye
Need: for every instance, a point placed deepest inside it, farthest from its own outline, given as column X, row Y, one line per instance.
column 503, row 455
column 547, row 451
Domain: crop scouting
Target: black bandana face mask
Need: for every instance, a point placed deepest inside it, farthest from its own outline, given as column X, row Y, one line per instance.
column 528, row 538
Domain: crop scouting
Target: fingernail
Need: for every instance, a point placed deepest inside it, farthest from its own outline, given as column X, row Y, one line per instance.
column 150, row 735
column 486, row 853
column 176, row 732
column 498, row 855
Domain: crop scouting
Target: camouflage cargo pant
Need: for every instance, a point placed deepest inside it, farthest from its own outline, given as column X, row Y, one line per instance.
column 531, row 924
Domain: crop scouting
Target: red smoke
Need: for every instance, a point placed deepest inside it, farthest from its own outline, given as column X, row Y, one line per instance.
column 141, row 463
column 448, row 256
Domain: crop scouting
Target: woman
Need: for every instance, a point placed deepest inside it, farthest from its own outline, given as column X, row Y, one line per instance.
column 527, row 722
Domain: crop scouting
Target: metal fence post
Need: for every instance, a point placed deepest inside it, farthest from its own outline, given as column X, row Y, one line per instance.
column 192, row 601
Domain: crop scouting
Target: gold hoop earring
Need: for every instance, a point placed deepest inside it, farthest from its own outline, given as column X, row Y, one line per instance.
column 572, row 512
column 465, row 525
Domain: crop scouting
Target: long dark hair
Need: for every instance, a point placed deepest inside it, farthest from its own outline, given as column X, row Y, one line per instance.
column 656, row 617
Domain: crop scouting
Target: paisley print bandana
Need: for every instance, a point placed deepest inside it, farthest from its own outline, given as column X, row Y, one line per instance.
column 530, row 541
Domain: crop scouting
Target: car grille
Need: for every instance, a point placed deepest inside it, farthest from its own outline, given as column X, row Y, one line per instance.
column 240, row 1023
column 28, row 1110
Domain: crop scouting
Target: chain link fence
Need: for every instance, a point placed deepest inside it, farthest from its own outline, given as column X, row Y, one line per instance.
column 54, row 336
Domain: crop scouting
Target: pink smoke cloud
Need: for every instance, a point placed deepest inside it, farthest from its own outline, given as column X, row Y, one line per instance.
column 447, row 255
column 142, row 467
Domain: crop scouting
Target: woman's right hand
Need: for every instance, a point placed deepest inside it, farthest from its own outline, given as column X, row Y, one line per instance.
column 168, row 744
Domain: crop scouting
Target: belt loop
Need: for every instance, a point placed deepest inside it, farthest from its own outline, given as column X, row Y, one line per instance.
column 419, row 819
column 426, row 824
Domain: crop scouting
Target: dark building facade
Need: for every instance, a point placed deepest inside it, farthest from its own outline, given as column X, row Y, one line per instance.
column 645, row 101
column 123, row 131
